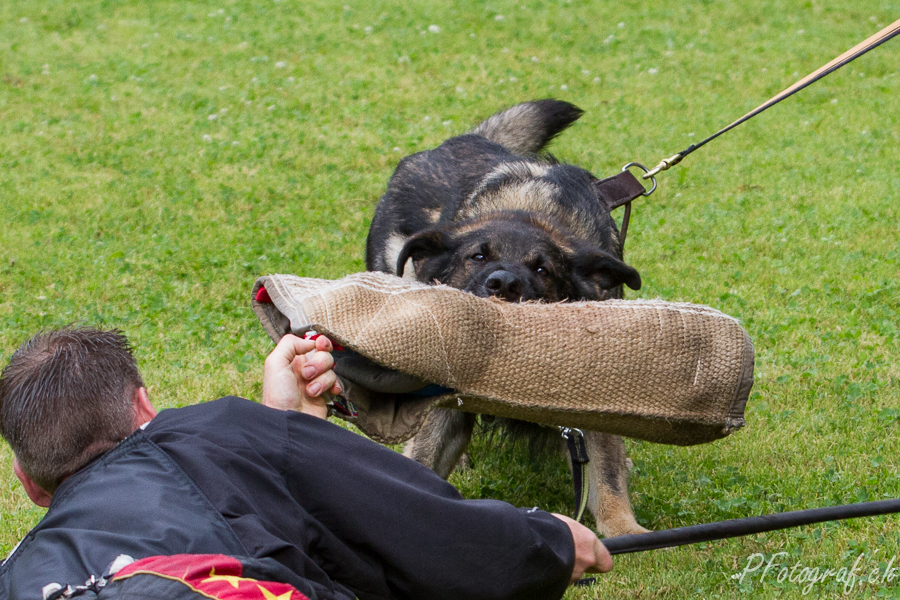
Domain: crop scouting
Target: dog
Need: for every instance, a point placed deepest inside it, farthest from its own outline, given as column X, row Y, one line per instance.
column 487, row 213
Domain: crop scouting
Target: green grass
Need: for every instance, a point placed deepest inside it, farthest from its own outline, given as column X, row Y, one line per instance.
column 157, row 157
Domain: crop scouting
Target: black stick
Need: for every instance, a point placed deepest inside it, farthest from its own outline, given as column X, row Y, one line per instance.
column 721, row 530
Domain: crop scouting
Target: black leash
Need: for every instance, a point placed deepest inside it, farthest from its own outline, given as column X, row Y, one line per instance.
column 721, row 530
column 620, row 189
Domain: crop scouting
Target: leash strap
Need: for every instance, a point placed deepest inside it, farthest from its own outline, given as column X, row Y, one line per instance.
column 852, row 54
column 578, row 452
column 620, row 190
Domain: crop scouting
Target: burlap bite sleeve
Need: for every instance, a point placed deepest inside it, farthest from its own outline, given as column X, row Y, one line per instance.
column 664, row 372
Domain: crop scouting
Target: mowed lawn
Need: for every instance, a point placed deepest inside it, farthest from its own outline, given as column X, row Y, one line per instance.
column 155, row 158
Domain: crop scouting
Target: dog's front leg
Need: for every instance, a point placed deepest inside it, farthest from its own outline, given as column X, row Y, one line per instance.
column 441, row 441
column 608, row 495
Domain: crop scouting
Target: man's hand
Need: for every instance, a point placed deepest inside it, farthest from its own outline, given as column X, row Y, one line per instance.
column 297, row 373
column 591, row 556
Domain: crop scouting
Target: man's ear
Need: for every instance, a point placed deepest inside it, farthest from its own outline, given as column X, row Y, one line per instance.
column 605, row 270
column 35, row 492
column 143, row 409
column 428, row 243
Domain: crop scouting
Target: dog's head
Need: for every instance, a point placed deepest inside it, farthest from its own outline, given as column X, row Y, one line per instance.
column 515, row 256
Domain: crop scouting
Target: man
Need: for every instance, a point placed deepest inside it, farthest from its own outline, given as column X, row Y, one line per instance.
column 351, row 518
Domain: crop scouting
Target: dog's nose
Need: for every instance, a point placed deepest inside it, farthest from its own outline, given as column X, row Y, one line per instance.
column 504, row 285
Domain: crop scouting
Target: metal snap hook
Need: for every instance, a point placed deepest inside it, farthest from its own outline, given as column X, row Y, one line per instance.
column 646, row 170
column 569, row 431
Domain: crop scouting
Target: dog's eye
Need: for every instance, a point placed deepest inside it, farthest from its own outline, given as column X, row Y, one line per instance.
column 542, row 271
column 479, row 257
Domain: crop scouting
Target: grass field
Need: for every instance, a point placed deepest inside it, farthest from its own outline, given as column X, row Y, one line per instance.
column 155, row 158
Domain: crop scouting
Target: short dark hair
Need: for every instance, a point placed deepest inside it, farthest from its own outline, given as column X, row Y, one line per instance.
column 65, row 398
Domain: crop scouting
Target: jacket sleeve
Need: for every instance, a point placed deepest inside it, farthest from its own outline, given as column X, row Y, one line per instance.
column 430, row 542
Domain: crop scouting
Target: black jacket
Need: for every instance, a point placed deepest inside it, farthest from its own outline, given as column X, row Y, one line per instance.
column 353, row 518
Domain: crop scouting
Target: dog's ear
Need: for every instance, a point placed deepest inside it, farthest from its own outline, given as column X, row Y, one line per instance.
column 605, row 270
column 425, row 244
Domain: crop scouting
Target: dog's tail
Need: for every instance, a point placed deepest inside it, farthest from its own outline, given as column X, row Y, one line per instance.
column 526, row 128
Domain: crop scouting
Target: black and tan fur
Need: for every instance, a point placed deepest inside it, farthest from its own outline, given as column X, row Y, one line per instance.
column 486, row 213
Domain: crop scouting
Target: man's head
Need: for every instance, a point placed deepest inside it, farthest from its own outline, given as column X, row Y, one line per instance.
column 66, row 397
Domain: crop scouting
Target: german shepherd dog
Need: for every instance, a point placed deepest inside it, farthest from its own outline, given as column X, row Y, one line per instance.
column 485, row 212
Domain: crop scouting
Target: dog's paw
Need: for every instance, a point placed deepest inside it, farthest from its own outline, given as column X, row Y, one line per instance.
column 616, row 527
column 464, row 463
